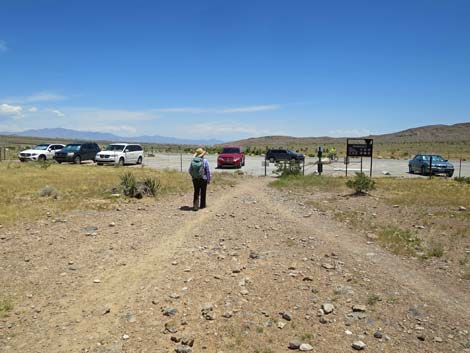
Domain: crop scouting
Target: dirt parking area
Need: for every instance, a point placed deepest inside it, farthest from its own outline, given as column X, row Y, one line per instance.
column 254, row 165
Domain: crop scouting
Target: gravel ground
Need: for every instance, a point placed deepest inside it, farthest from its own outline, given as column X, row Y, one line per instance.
column 257, row 271
column 254, row 165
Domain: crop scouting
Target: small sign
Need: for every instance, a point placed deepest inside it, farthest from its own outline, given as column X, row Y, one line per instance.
column 360, row 149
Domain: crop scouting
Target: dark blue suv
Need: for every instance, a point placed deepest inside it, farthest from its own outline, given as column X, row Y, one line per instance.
column 427, row 164
column 275, row 155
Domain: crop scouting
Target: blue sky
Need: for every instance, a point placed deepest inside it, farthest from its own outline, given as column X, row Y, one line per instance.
column 234, row 69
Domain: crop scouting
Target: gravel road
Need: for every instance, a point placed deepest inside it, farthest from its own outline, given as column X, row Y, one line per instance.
column 254, row 165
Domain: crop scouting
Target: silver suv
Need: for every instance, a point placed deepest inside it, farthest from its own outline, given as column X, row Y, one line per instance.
column 120, row 153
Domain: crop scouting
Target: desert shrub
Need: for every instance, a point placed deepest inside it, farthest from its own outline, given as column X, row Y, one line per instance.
column 435, row 250
column 463, row 180
column 48, row 191
column 361, row 183
column 373, row 299
column 399, row 241
column 6, row 305
column 288, row 168
column 44, row 164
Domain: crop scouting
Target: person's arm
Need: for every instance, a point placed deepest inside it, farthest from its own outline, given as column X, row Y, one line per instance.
column 208, row 171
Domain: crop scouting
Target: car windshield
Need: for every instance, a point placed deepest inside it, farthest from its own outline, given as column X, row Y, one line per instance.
column 230, row 150
column 71, row 147
column 118, row 148
column 435, row 158
column 41, row 147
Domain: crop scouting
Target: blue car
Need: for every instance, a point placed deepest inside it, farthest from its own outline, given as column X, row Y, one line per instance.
column 423, row 163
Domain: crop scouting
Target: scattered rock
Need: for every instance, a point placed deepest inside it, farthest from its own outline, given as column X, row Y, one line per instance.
column 227, row 314
column 169, row 311
column 183, row 349
column 328, row 308
column 378, row 334
column 462, row 208
column 188, row 341
column 294, row 344
column 125, row 337
column 170, row 327
column 359, row 308
column 208, row 312
column 438, row 339
column 358, row 345
column 286, row 316
column 305, row 347
column 328, row 266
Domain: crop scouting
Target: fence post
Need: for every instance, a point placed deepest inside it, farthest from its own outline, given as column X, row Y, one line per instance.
column 181, row 162
column 460, row 166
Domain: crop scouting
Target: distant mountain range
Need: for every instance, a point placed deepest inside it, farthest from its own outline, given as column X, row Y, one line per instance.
column 67, row 134
column 430, row 133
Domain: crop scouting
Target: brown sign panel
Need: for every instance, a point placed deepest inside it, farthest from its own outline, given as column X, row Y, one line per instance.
column 359, row 149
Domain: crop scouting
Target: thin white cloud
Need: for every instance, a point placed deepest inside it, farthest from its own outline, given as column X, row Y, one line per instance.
column 58, row 113
column 188, row 110
column 349, row 133
column 10, row 110
column 230, row 129
column 32, row 110
column 259, row 108
column 3, row 46
column 35, row 98
column 198, row 110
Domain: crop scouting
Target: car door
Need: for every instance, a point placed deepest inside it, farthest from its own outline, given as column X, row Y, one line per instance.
column 131, row 154
column 415, row 163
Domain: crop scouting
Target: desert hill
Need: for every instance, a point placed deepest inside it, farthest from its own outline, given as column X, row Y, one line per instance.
column 430, row 133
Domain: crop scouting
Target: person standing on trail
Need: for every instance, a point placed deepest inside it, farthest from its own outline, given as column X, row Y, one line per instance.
column 201, row 174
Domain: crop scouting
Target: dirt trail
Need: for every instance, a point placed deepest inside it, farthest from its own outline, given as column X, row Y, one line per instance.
column 249, row 255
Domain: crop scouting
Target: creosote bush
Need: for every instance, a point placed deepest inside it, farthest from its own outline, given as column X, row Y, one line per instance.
column 463, row 180
column 48, row 191
column 287, row 168
column 361, row 183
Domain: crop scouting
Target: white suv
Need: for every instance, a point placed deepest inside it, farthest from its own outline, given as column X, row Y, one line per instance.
column 40, row 152
column 120, row 153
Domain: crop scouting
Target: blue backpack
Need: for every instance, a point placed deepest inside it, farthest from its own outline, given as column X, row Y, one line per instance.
column 197, row 170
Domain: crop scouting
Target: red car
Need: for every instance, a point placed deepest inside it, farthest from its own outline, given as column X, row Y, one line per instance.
column 231, row 156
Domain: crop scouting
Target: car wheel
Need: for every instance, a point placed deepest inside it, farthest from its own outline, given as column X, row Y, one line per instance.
column 410, row 169
column 77, row 160
column 99, row 163
column 121, row 162
column 60, row 162
column 139, row 160
column 271, row 160
column 423, row 170
column 449, row 174
column 41, row 158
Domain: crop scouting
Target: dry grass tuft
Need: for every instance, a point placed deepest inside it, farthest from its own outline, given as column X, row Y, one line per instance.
column 27, row 191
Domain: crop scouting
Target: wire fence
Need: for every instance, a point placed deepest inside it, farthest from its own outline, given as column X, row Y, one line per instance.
column 256, row 165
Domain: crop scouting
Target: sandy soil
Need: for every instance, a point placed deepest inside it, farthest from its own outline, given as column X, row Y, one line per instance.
column 250, row 273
